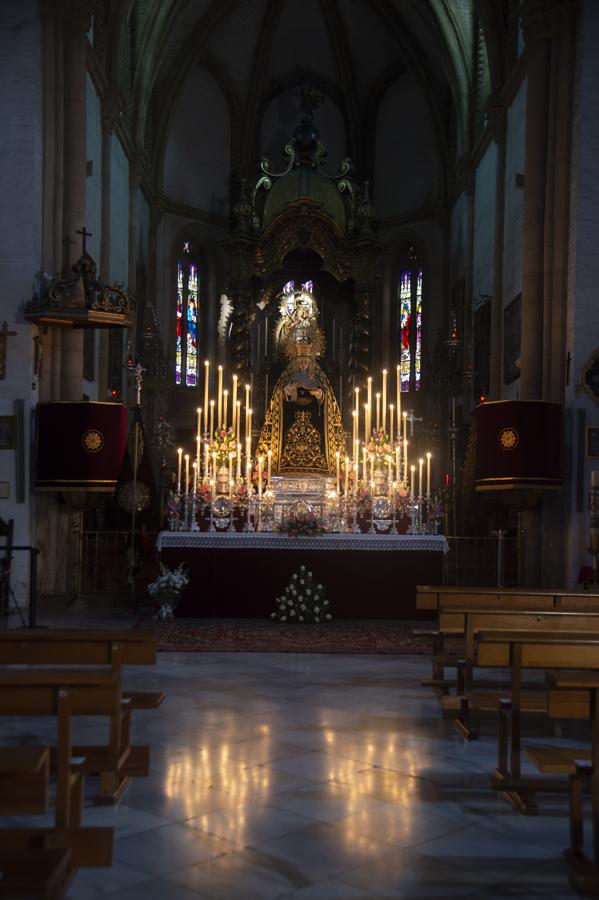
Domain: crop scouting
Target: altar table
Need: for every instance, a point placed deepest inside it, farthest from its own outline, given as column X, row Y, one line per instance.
column 366, row 576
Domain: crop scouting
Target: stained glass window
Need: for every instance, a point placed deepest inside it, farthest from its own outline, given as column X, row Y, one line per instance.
column 410, row 328
column 178, row 338
column 186, row 335
column 405, row 322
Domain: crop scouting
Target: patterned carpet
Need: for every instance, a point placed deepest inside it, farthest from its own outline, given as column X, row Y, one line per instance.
column 251, row 636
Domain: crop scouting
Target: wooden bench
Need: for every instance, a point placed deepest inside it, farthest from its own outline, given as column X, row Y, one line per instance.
column 428, row 596
column 41, row 860
column 528, row 651
column 111, row 648
column 453, row 604
column 24, row 780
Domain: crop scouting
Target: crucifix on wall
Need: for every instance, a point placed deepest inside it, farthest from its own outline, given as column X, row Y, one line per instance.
column 4, row 336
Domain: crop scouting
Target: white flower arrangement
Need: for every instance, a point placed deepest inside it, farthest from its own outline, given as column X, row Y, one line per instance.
column 303, row 600
column 167, row 589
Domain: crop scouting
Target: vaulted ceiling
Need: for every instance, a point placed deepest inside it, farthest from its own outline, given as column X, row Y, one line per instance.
column 352, row 50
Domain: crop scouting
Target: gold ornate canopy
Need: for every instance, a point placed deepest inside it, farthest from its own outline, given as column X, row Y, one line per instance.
column 302, row 426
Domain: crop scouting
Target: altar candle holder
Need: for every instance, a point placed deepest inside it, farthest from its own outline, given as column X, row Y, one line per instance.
column 393, row 503
column 371, row 529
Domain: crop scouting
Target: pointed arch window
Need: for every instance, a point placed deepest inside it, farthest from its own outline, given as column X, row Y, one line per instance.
column 410, row 326
column 187, row 318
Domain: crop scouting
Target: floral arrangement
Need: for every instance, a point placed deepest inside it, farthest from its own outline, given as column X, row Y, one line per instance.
column 241, row 494
column 204, row 494
column 167, row 589
column 223, row 443
column 303, row 600
column 379, row 445
column 363, row 500
column 301, row 523
column 351, row 478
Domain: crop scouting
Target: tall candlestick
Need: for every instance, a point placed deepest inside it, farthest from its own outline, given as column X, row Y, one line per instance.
column 369, row 402
column 420, row 465
column 428, row 474
column 384, row 399
column 219, row 418
column 214, row 466
column 187, row 473
column 364, row 463
column 199, row 428
column 405, row 461
column 247, row 406
column 378, row 412
column 357, row 408
column 248, row 419
column 412, row 470
column 269, row 469
column 391, row 411
column 238, row 419
column 354, row 431
column 231, row 454
column 195, row 477
column 238, row 460
column 234, row 405
column 398, row 398
column 206, row 389
column 405, row 426
column 337, row 456
column 260, row 469
column 397, row 461
column 198, row 450
column 212, row 420
column 225, row 404
column 366, row 412
column 179, row 456
column 206, row 465
column 346, row 491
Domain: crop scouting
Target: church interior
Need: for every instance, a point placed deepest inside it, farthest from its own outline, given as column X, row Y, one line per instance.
column 299, row 449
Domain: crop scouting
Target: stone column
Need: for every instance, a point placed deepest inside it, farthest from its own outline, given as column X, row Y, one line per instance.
column 536, row 28
column 497, row 125
column 76, row 21
column 111, row 112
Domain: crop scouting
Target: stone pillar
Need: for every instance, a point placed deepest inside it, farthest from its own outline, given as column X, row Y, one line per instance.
column 536, row 22
column 76, row 22
column 497, row 124
column 111, row 112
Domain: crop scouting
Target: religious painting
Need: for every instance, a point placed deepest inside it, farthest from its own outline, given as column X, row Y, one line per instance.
column 512, row 336
column 593, row 441
column 8, row 433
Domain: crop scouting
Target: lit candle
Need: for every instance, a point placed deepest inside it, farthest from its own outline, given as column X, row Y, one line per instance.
column 405, row 426
column 398, row 397
column 357, row 455
column 357, row 404
column 206, row 458
column 269, row 470
column 428, row 474
column 219, row 420
column 372, row 467
column 337, row 455
column 225, row 404
column 384, row 398
column 378, row 412
column 347, row 476
column 420, row 465
column 199, row 428
column 211, row 420
column 231, row 454
column 354, row 432
column 206, row 386
column 365, row 423
column 195, row 477
column 397, row 461
column 238, row 461
column 412, row 470
column 248, row 420
column 369, row 404
column 198, row 450
column 247, row 406
column 405, row 461
column 187, row 473
column 238, row 419
column 391, row 411
column 179, row 455
column 364, row 459
column 234, row 409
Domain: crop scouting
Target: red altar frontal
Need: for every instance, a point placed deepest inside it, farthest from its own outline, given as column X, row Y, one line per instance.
column 366, row 576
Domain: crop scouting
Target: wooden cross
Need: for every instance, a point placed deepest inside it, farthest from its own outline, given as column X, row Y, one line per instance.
column 84, row 236
column 4, row 336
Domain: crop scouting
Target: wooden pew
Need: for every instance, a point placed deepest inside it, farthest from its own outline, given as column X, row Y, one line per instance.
column 460, row 600
column 86, row 647
column 39, row 860
column 24, row 780
column 528, row 651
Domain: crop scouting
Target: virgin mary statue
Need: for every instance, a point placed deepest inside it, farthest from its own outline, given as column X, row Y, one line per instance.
column 303, row 426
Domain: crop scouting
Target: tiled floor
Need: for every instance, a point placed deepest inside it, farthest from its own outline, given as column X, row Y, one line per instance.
column 316, row 777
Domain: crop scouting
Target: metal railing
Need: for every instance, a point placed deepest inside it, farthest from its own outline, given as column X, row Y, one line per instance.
column 481, row 561
column 109, row 561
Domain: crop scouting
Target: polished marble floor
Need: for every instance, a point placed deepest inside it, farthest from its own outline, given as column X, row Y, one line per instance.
column 315, row 777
